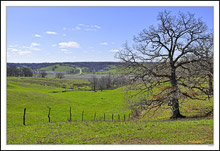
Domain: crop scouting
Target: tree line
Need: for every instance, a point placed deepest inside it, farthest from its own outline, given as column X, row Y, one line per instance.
column 19, row 71
column 109, row 81
column 14, row 71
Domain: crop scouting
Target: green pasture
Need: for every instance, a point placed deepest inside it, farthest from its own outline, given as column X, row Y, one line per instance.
column 37, row 95
column 38, row 98
column 87, row 132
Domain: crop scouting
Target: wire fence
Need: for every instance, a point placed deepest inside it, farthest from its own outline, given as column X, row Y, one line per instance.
column 83, row 116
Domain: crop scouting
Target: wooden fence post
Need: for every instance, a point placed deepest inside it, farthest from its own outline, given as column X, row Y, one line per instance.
column 70, row 115
column 112, row 117
column 24, row 116
column 82, row 115
column 94, row 116
column 49, row 114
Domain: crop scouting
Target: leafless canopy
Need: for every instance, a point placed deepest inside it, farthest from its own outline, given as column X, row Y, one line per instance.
column 169, row 62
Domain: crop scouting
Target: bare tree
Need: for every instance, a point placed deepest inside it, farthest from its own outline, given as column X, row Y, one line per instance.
column 60, row 75
column 43, row 73
column 108, row 81
column 206, row 65
column 102, row 83
column 159, row 65
column 93, row 82
column 119, row 80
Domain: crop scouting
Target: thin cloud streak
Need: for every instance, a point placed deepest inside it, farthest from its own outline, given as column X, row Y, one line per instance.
column 70, row 44
column 50, row 32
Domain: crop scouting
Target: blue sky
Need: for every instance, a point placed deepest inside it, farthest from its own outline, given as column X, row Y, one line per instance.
column 74, row 34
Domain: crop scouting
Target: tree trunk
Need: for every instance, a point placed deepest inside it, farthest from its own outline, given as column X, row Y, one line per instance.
column 175, row 110
column 175, row 102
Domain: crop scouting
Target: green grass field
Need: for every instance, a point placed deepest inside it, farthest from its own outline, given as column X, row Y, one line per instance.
column 38, row 94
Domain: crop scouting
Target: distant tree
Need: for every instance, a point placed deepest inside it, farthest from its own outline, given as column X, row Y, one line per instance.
column 172, row 73
column 19, row 71
column 102, row 83
column 206, row 65
column 108, row 81
column 12, row 71
column 119, row 80
column 27, row 72
column 93, row 82
column 53, row 69
column 60, row 75
column 43, row 73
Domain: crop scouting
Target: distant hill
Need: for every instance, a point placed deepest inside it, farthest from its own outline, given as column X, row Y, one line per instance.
column 68, row 66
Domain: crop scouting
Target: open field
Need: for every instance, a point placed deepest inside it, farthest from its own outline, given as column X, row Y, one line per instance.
column 37, row 98
column 38, row 94
column 170, row 132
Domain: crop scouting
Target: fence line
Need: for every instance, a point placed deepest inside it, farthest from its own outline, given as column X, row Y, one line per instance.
column 95, row 116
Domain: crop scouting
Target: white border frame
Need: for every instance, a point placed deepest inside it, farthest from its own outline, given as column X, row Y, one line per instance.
column 214, row 4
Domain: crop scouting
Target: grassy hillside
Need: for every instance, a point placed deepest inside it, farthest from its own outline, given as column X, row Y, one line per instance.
column 36, row 98
column 59, row 68
column 49, row 82
column 38, row 94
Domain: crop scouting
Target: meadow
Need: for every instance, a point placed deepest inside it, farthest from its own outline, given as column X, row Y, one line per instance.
column 37, row 95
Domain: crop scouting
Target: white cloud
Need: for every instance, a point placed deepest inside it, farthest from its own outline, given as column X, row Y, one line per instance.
column 19, row 52
column 14, row 50
column 89, row 29
column 13, row 46
column 35, row 49
column 81, row 25
column 77, row 28
column 104, row 43
column 51, row 32
column 24, row 52
column 53, row 45
column 114, row 50
column 33, row 44
column 24, row 47
column 69, row 44
column 96, row 26
column 36, row 35
column 66, row 51
column 86, row 27
column 64, row 34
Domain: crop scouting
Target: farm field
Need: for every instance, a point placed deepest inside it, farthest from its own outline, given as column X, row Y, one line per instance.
column 37, row 95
